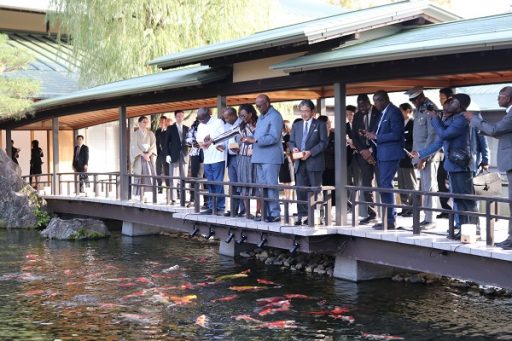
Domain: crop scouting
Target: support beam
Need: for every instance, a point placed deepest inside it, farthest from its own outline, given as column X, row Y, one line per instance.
column 8, row 143
column 356, row 270
column 321, row 108
column 221, row 104
column 123, row 154
column 340, row 153
column 55, row 160
column 136, row 229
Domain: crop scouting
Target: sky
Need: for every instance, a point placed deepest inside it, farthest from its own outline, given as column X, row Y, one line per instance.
column 319, row 8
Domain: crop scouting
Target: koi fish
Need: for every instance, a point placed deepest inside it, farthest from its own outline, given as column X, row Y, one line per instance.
column 246, row 318
column 112, row 305
column 381, row 337
column 182, row 300
column 127, row 285
column 299, row 296
column 246, row 271
column 271, row 310
column 202, row 259
column 34, row 293
column 339, row 311
column 186, row 285
column 267, row 300
column 283, row 324
column 163, row 276
column 134, row 294
column 317, row 313
column 203, row 284
column 266, row 282
column 225, row 298
column 68, row 272
column 144, row 280
column 171, row 269
column 159, row 299
column 247, row 288
column 121, row 279
column 346, row 318
column 233, row 276
column 203, row 321
column 31, row 256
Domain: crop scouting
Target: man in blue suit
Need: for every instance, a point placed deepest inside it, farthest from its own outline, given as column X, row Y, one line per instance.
column 308, row 136
column 389, row 138
column 267, row 155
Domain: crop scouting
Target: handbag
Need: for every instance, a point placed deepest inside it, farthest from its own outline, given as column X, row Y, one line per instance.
column 487, row 184
column 459, row 156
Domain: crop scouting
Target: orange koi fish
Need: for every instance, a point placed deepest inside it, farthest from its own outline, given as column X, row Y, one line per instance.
column 144, row 280
column 267, row 300
column 283, row 324
column 225, row 298
column 31, row 256
column 246, row 271
column 34, row 293
column 265, row 281
column 182, row 300
column 339, row 311
column 126, row 285
column 203, row 321
column 299, row 296
column 247, row 288
column 232, row 276
column 134, row 294
column 271, row 309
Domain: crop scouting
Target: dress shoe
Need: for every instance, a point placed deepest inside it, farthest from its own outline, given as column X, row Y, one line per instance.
column 507, row 243
column 240, row 214
column 379, row 226
column 442, row 215
column 258, row 218
column 273, row 219
column 456, row 235
column 298, row 222
column 220, row 213
column 207, row 211
column 367, row 220
column 228, row 214
column 427, row 225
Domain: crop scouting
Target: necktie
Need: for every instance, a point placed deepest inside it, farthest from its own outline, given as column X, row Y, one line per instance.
column 77, row 152
column 304, row 136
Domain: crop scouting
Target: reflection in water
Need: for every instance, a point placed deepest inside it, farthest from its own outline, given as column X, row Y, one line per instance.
column 162, row 288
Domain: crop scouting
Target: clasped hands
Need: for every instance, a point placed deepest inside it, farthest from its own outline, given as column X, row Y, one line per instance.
column 306, row 153
column 368, row 156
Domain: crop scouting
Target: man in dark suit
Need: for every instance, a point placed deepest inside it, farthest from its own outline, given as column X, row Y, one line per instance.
column 365, row 119
column 161, row 166
column 81, row 161
column 389, row 138
column 176, row 150
column 308, row 136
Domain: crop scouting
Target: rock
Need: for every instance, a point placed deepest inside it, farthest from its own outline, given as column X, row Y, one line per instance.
column 269, row 260
column 19, row 203
column 309, row 268
column 416, row 278
column 75, row 229
column 397, row 278
column 263, row 255
column 277, row 261
column 299, row 266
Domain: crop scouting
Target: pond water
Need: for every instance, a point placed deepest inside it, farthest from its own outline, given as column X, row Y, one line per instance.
column 166, row 288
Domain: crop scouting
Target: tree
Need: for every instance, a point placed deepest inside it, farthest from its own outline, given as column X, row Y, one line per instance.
column 16, row 92
column 114, row 39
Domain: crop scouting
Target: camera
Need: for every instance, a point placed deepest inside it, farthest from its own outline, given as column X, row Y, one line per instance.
column 430, row 107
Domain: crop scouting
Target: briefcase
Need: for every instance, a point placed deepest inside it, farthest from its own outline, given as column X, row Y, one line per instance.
column 487, row 184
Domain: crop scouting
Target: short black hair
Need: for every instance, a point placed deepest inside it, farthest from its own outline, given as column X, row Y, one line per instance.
column 363, row 98
column 177, row 112
column 405, row 106
column 142, row 118
column 323, row 118
column 308, row 103
column 163, row 117
column 448, row 92
column 231, row 111
column 80, row 136
column 351, row 108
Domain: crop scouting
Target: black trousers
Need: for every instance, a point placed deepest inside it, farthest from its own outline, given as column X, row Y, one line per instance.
column 303, row 177
column 195, row 167
column 442, row 181
column 162, row 168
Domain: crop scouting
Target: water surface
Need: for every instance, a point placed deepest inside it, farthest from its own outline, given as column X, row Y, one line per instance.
column 155, row 288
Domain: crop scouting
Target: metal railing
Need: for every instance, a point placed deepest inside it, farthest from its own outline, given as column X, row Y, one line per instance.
column 490, row 205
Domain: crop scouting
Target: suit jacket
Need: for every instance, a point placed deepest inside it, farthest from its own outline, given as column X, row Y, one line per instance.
column 82, row 160
column 406, row 161
column 360, row 142
column 316, row 142
column 160, row 141
column 452, row 133
column 502, row 130
column 390, row 135
column 268, row 148
column 174, row 146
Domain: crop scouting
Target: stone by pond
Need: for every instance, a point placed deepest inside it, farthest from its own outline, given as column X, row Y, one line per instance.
column 75, row 229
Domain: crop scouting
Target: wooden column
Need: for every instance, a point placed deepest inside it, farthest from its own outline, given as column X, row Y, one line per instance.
column 321, row 107
column 55, row 152
column 123, row 155
column 340, row 153
column 221, row 104
column 8, row 144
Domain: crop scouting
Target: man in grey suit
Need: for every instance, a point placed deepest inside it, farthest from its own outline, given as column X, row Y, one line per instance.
column 501, row 130
column 267, row 155
column 308, row 136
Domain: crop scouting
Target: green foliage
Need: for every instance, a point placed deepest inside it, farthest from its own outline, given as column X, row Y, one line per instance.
column 84, row 233
column 115, row 39
column 16, row 93
column 39, row 206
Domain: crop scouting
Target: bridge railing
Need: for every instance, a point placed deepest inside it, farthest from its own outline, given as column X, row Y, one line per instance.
column 490, row 208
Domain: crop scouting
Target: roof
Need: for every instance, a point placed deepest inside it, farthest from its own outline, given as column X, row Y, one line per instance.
column 50, row 66
column 486, row 33
column 311, row 32
column 155, row 82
